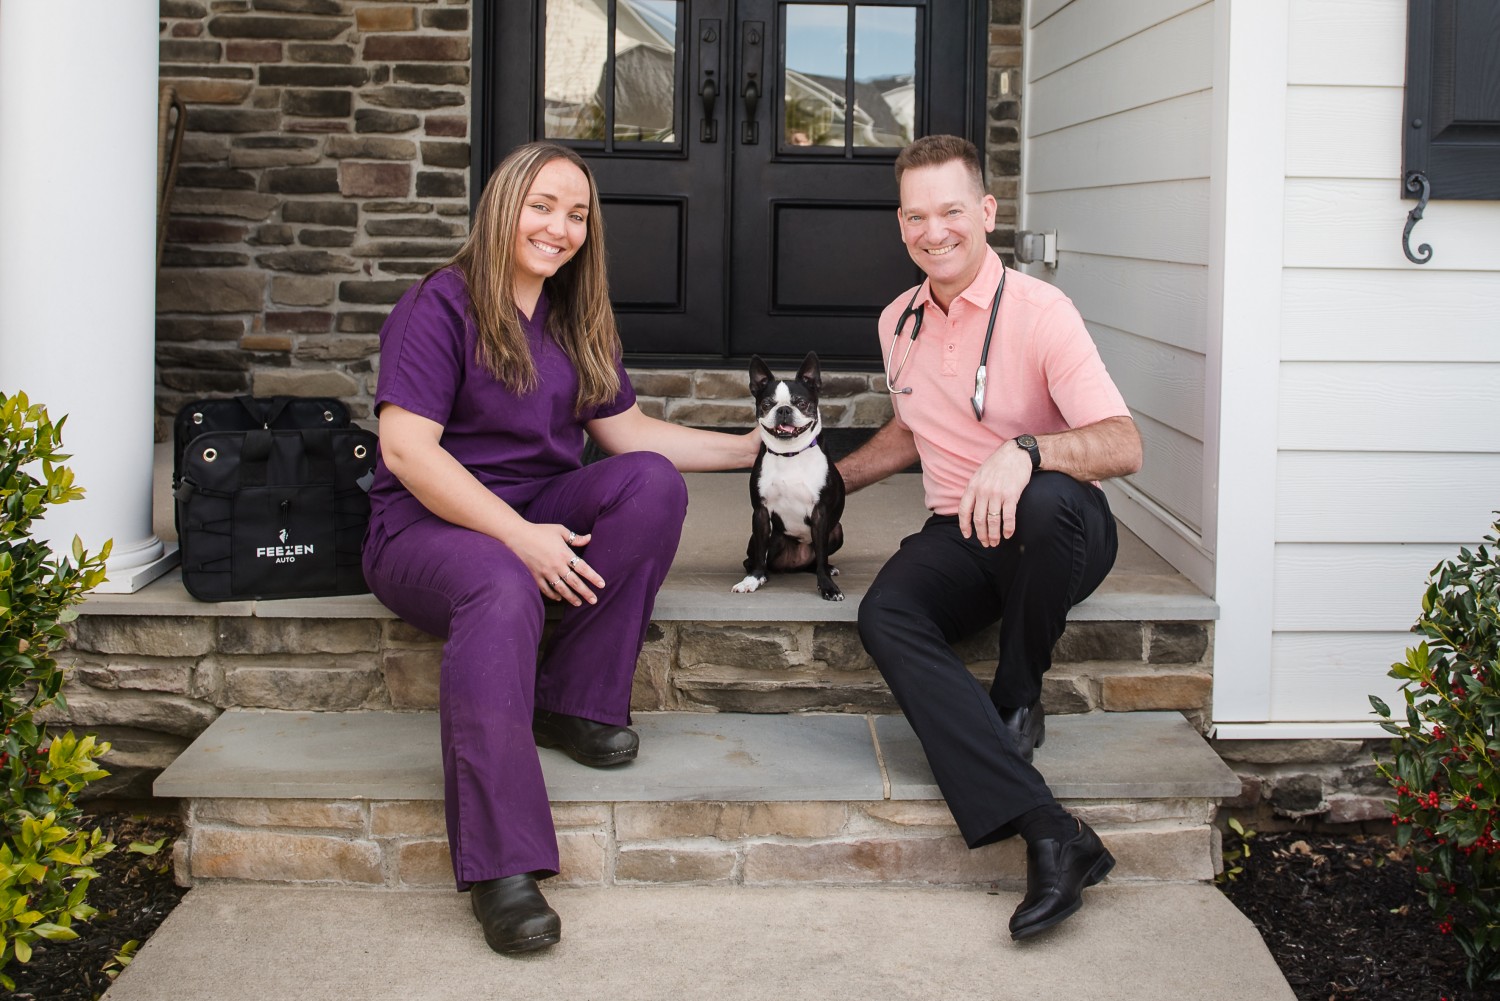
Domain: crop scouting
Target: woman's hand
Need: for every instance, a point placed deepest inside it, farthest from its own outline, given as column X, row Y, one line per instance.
column 412, row 450
column 548, row 552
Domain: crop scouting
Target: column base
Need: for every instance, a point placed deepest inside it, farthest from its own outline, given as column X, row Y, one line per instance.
column 132, row 579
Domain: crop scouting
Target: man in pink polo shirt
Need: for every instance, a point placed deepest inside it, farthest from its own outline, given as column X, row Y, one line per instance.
column 1006, row 402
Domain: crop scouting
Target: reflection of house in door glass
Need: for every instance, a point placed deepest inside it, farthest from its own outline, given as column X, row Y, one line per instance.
column 817, row 69
column 577, row 70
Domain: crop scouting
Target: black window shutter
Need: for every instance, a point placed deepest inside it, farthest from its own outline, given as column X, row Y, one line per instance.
column 1452, row 123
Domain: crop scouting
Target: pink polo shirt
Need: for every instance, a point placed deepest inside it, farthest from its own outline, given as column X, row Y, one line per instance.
column 1045, row 375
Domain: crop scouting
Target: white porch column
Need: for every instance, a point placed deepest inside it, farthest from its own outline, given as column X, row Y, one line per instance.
column 78, row 118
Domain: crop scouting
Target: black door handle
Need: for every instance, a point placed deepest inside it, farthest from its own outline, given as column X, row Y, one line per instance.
column 708, row 68
column 709, row 92
column 751, row 45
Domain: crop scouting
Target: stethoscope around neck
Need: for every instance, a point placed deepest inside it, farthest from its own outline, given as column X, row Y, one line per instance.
column 914, row 313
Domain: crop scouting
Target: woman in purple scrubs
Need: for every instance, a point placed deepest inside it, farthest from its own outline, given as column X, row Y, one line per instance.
column 491, row 371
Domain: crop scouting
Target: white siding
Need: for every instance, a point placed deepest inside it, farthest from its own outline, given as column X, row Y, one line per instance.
column 1388, row 419
column 1117, row 139
column 1321, row 417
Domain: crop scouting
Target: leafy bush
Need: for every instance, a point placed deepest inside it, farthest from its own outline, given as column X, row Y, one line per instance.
column 41, row 850
column 1442, row 761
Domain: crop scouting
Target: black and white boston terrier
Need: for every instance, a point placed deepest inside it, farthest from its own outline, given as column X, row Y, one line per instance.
column 797, row 494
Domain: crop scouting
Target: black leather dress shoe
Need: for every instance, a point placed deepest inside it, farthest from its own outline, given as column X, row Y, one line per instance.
column 585, row 741
column 1056, row 873
column 514, row 914
column 1028, row 727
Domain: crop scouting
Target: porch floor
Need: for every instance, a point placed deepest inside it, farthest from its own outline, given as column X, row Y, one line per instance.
column 1142, row 586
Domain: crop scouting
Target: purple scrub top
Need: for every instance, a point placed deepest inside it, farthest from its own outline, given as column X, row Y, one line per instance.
column 511, row 443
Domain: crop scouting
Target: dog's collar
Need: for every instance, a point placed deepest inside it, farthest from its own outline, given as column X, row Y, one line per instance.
column 788, row 455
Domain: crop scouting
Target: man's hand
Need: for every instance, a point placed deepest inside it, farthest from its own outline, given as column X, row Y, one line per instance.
column 989, row 501
column 1111, row 447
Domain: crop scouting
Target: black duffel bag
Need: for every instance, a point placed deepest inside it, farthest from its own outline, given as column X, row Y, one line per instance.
column 275, row 514
column 247, row 413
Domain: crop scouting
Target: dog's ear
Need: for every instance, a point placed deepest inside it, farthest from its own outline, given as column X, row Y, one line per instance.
column 809, row 373
column 760, row 375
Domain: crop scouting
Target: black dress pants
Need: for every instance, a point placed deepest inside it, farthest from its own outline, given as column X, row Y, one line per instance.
column 940, row 587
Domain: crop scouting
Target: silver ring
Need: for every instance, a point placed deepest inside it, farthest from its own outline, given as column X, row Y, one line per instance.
column 574, row 562
column 571, row 537
column 557, row 583
column 566, row 572
column 994, row 514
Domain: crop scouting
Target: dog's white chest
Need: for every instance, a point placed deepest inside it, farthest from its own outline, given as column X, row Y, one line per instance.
column 790, row 486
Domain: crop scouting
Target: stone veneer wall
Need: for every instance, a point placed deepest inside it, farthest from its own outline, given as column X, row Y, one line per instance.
column 326, row 167
column 401, row 844
column 1308, row 784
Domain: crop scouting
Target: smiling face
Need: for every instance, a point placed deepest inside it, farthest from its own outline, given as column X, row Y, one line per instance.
column 551, row 227
column 944, row 216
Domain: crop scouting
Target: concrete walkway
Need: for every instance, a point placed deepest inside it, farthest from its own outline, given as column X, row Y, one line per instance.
column 1129, row 943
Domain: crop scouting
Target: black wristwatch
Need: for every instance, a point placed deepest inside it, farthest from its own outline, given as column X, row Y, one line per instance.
column 1027, row 443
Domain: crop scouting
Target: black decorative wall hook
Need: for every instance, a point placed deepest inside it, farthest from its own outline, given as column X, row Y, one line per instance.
column 1416, row 181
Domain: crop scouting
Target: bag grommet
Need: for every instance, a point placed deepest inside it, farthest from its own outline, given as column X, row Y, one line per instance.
column 198, row 418
column 359, row 451
column 328, row 415
column 210, row 454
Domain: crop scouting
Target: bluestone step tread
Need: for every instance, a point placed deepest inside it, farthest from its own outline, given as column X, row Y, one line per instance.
column 686, row 757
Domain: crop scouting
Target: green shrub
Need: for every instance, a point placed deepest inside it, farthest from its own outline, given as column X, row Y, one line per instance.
column 1442, row 761
column 44, row 858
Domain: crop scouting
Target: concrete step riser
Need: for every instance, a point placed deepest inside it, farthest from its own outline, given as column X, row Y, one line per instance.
column 401, row 845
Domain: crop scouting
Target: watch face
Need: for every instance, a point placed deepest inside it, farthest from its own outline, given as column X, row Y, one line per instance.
column 1026, row 441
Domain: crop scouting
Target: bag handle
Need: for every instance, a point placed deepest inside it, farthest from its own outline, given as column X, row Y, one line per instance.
column 264, row 412
column 255, row 453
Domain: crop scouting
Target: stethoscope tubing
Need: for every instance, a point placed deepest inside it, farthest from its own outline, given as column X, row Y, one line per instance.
column 915, row 313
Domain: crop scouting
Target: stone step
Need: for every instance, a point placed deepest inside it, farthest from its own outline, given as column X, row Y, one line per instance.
column 153, row 669
column 355, row 797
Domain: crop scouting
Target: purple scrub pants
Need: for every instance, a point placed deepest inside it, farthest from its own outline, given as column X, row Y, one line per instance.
column 479, row 596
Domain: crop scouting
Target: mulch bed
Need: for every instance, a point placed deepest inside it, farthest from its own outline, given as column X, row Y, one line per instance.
column 1341, row 915
column 1345, row 922
column 134, row 894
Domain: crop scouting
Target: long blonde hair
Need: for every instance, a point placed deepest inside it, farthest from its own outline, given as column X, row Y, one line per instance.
column 579, row 319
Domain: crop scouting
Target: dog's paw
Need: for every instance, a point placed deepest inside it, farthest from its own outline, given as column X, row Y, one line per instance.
column 749, row 584
column 831, row 592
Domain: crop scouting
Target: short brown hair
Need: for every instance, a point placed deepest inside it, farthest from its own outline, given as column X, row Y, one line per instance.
column 934, row 151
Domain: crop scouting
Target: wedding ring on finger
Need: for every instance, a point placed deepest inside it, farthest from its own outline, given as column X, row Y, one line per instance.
column 557, row 584
column 574, row 562
column 571, row 537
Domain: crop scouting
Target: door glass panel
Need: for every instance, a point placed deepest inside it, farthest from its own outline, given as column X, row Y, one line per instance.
column 885, row 71
column 577, row 72
column 646, row 70
column 817, row 38
column 577, row 61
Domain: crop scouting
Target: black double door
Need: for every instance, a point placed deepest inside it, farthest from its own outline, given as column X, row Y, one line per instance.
column 743, row 150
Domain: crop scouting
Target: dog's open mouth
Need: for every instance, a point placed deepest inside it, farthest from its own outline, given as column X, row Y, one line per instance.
column 790, row 430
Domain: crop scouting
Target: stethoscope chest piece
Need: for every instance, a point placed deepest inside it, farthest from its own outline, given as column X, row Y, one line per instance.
column 914, row 312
